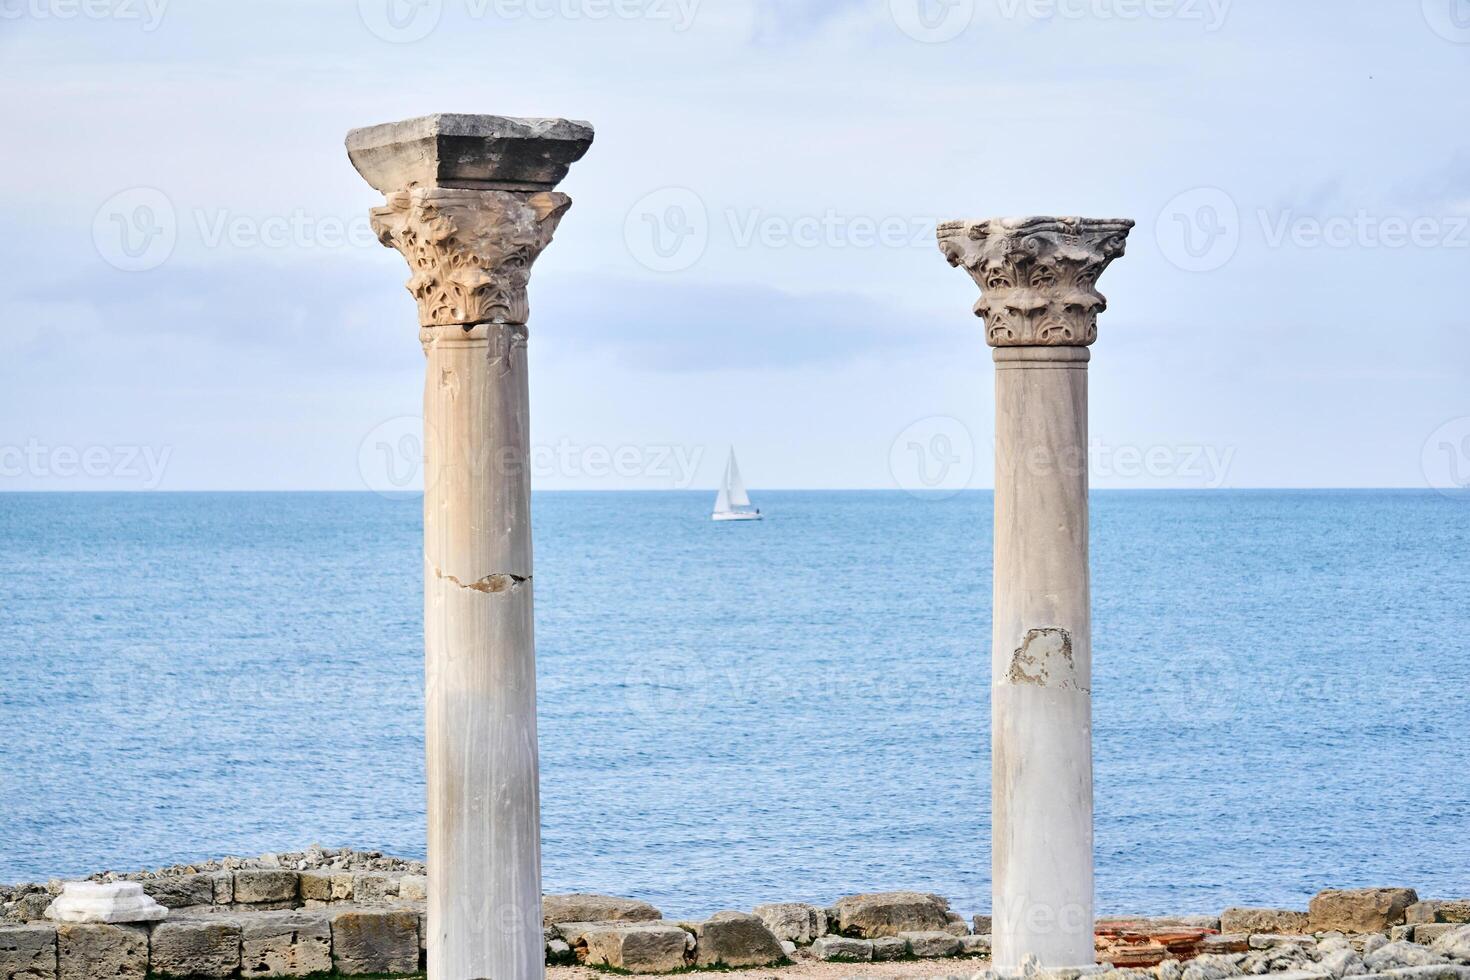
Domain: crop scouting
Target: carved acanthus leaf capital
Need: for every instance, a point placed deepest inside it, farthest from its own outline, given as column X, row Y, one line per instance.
column 470, row 251
column 1037, row 276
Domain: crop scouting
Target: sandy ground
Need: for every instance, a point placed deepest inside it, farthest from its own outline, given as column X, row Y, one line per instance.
column 935, row 970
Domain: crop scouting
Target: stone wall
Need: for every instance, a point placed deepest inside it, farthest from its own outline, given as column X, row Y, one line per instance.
column 355, row 913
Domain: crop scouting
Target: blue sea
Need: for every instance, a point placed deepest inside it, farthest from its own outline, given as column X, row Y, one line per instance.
column 739, row 713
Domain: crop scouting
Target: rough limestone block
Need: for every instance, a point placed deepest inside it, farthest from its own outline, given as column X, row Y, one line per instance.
column 1360, row 909
column 28, row 952
column 1226, row 942
column 373, row 888
column 1160, row 923
column 1401, row 954
column 207, row 947
column 735, row 939
column 259, row 886
column 1422, row 912
column 890, row 913
column 556, row 909
column 638, row 947
column 375, row 941
column 87, row 951
column 1445, row 971
column 1270, row 939
column 1249, row 920
column 1457, row 911
column 980, row 925
column 285, row 944
column 224, row 887
column 1455, row 943
column 112, row 902
column 559, row 953
column 887, row 948
column 794, row 921
column 180, row 891
column 975, row 945
column 316, row 886
column 842, row 949
column 1343, row 962
column 1427, row 932
column 1212, row 967
column 413, row 888
column 931, row 945
column 342, row 886
column 31, row 907
column 1370, row 941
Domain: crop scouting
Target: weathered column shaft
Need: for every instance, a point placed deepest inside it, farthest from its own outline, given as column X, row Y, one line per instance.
column 484, row 816
column 1039, row 299
column 1041, row 661
column 470, row 206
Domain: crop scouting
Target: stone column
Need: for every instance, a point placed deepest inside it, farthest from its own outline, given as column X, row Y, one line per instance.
column 470, row 205
column 1038, row 279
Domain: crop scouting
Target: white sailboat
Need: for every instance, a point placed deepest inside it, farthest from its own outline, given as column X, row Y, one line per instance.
column 733, row 503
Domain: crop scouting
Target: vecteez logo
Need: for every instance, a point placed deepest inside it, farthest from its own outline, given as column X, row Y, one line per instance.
column 668, row 230
column 136, row 230
column 400, row 21
column 932, row 21
column 1199, row 230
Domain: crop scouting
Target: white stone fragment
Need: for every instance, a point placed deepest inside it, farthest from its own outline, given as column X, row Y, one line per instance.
column 114, row 901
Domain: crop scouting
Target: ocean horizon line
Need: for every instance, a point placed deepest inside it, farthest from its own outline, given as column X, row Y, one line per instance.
column 920, row 494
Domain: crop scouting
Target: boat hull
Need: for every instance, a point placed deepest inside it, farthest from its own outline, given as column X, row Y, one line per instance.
column 735, row 516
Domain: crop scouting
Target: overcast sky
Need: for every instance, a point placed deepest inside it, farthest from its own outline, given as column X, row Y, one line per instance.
column 191, row 299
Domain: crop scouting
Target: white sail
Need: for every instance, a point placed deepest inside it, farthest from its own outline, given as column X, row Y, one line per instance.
column 722, row 502
column 735, row 486
column 733, row 503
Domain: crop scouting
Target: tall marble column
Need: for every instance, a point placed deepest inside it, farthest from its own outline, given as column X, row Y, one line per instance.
column 470, row 204
column 1038, row 280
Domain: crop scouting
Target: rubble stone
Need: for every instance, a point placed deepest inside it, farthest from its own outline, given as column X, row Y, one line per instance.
column 890, row 913
column 735, row 939
column 794, row 921
column 595, row 908
column 975, row 945
column 843, row 949
column 1241, row 919
column 1455, row 944
column 889, row 948
column 928, row 945
column 638, row 947
column 1401, row 954
column 1360, row 909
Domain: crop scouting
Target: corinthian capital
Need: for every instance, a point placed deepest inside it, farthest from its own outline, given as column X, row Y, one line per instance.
column 470, row 204
column 1037, row 276
column 470, row 252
